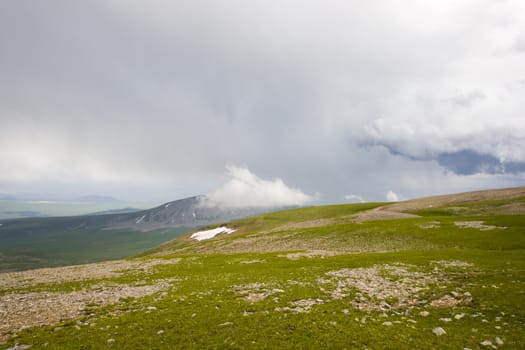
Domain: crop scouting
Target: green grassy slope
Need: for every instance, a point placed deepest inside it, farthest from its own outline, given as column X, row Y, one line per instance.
column 314, row 279
column 45, row 242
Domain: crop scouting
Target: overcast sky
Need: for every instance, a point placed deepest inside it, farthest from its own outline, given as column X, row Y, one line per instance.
column 328, row 101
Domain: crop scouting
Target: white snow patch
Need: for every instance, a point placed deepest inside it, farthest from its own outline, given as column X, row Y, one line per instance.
column 140, row 219
column 202, row 235
column 167, row 205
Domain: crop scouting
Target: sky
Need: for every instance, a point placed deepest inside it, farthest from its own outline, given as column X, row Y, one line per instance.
column 261, row 102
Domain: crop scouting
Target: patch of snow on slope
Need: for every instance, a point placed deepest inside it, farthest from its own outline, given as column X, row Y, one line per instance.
column 202, row 235
column 140, row 219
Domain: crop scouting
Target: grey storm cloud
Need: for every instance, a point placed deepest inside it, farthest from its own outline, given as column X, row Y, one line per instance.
column 152, row 99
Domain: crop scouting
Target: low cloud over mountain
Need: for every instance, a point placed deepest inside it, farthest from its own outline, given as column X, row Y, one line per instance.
column 244, row 189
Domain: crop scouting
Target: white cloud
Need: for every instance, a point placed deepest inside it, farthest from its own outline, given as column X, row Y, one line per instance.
column 354, row 198
column 427, row 121
column 391, row 196
column 245, row 189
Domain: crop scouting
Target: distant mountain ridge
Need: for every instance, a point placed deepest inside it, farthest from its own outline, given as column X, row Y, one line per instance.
column 95, row 199
column 187, row 212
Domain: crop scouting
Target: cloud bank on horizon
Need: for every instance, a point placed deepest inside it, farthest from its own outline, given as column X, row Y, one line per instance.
column 246, row 190
column 150, row 100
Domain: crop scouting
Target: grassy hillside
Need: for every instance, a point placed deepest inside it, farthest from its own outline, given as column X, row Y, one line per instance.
column 309, row 278
column 44, row 242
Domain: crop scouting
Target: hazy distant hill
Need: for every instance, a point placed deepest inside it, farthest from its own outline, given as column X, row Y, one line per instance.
column 54, row 241
column 24, row 206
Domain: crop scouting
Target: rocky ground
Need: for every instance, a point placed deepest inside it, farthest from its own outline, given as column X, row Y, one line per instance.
column 20, row 310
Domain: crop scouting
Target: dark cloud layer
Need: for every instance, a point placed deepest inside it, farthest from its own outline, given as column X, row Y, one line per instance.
column 152, row 100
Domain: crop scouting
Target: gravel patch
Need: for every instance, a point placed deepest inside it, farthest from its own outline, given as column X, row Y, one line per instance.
column 308, row 254
column 386, row 287
column 476, row 224
column 103, row 270
column 301, row 306
column 20, row 311
column 255, row 292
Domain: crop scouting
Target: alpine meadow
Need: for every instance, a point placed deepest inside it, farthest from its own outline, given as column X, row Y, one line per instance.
column 264, row 174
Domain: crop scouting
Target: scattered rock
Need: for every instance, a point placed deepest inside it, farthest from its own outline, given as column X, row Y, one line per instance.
column 445, row 319
column 19, row 347
column 387, row 323
column 26, row 310
column 452, row 263
column 499, row 341
column 459, row 316
column 301, row 306
column 476, row 224
column 399, row 282
column 225, row 324
column 161, row 332
column 255, row 292
column 308, row 254
column 424, row 313
column 384, row 305
column 438, row 331
column 487, row 343
column 429, row 225
column 449, row 300
column 111, row 341
column 255, row 261
column 102, row 270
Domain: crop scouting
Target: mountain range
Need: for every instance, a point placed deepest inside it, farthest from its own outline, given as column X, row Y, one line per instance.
column 55, row 241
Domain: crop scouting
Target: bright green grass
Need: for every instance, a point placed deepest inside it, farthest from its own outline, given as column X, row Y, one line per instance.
column 272, row 220
column 203, row 310
column 194, row 313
